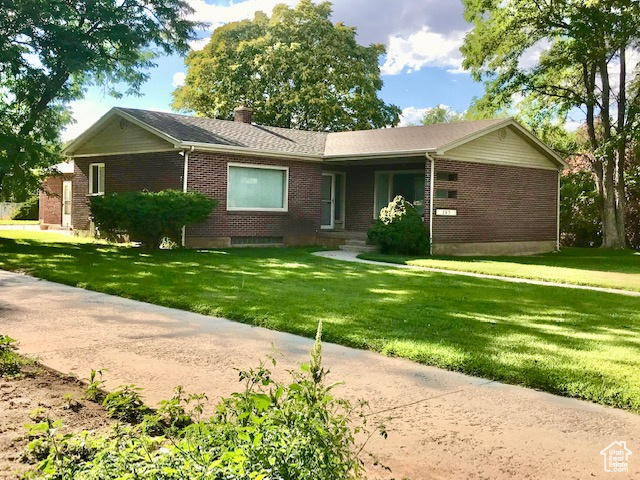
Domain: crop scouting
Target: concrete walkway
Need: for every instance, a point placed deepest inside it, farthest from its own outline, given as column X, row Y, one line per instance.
column 441, row 424
column 353, row 257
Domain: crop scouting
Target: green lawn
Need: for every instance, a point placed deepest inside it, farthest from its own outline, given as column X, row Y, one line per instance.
column 19, row 222
column 580, row 266
column 576, row 343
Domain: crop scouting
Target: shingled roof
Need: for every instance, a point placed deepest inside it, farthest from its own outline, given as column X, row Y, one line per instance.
column 190, row 129
column 185, row 131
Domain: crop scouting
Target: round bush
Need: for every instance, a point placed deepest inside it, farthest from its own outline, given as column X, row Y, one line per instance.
column 400, row 230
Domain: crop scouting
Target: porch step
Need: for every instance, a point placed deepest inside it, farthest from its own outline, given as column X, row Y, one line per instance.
column 357, row 245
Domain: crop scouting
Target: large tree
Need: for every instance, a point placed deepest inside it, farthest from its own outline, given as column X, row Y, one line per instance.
column 442, row 114
column 583, row 67
column 51, row 50
column 296, row 69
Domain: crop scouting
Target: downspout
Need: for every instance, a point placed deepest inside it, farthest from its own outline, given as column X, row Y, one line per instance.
column 431, row 173
column 184, row 187
column 558, row 215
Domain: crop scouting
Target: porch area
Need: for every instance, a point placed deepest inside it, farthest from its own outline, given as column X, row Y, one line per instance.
column 353, row 193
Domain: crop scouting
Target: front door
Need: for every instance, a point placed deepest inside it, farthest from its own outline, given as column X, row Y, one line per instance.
column 66, row 203
column 328, row 201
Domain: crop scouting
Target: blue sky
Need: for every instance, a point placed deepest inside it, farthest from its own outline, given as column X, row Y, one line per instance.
column 422, row 67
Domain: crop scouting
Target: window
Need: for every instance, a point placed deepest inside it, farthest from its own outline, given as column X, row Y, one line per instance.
column 257, row 188
column 96, row 179
column 441, row 193
column 408, row 184
column 447, row 177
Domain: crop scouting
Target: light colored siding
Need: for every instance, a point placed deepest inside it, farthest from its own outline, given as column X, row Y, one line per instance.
column 113, row 139
column 512, row 150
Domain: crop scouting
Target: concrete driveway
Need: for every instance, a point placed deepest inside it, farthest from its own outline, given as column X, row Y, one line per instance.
column 441, row 424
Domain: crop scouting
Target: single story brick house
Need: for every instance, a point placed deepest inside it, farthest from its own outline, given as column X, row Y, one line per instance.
column 483, row 187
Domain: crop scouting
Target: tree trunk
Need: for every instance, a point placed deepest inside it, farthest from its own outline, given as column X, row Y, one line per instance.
column 611, row 237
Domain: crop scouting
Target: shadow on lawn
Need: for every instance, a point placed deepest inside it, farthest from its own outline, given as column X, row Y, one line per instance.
column 560, row 340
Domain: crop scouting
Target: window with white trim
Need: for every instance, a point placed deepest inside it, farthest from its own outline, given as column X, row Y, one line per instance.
column 96, row 179
column 257, row 188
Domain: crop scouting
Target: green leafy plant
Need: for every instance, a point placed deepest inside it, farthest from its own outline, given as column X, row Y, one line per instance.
column 95, row 391
column 125, row 404
column 268, row 430
column 400, row 229
column 580, row 224
column 10, row 362
column 28, row 210
column 149, row 217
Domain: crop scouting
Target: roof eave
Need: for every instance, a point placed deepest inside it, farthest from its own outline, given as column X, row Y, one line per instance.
column 214, row 147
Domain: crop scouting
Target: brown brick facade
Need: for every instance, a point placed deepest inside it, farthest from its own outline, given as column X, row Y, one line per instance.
column 496, row 203
column 125, row 173
column 208, row 174
column 50, row 204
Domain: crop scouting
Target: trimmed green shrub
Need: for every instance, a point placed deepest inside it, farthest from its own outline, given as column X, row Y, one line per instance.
column 400, row 229
column 28, row 210
column 580, row 224
column 148, row 217
column 268, row 430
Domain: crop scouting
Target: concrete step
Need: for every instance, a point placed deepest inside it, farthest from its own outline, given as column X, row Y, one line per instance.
column 358, row 248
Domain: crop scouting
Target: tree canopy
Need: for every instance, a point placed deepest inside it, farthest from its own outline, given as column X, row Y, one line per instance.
column 296, row 69
column 583, row 66
column 442, row 114
column 52, row 50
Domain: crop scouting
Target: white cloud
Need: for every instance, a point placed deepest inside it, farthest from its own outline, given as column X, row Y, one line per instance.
column 200, row 43
column 412, row 116
column 424, row 48
column 178, row 79
column 218, row 15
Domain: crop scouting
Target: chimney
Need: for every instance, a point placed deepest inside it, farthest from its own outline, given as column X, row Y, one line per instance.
column 243, row 114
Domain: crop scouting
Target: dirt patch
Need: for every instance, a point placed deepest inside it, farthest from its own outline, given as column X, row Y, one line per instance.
column 41, row 388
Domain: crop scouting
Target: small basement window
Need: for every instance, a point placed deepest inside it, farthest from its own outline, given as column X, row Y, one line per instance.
column 442, row 193
column 96, row 179
column 242, row 241
column 447, row 177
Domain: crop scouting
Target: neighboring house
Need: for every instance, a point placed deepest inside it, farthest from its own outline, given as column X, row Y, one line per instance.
column 55, row 203
column 484, row 187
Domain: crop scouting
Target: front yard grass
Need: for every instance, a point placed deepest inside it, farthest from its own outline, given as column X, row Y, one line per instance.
column 19, row 222
column 580, row 266
column 581, row 344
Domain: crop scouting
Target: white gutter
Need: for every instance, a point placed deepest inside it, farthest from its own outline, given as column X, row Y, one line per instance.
column 209, row 147
column 431, row 172
column 558, row 215
column 185, row 175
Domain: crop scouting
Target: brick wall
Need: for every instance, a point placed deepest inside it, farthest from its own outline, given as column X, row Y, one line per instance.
column 50, row 209
column 124, row 173
column 496, row 203
column 208, row 175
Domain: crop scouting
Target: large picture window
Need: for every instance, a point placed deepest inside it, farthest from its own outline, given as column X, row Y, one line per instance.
column 409, row 184
column 96, row 179
column 257, row 188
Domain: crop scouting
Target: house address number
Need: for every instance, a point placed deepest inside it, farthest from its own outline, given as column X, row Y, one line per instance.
column 446, row 212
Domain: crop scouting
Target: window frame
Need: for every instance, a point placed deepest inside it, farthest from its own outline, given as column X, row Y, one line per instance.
column 285, row 200
column 449, row 192
column 391, row 173
column 101, row 166
column 448, row 174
